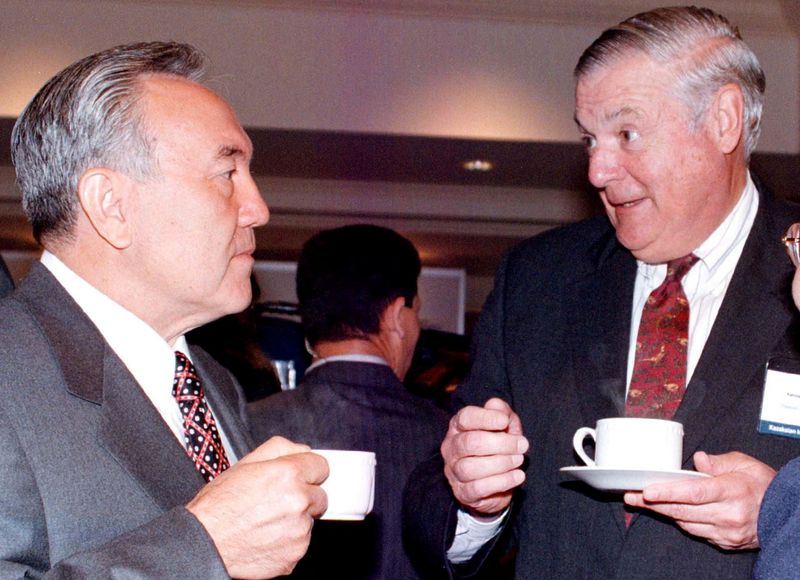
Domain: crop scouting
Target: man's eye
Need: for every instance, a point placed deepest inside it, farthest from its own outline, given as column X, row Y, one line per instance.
column 629, row 135
column 229, row 174
column 588, row 141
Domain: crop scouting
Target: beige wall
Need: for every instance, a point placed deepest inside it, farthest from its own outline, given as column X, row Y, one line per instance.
column 376, row 71
column 357, row 70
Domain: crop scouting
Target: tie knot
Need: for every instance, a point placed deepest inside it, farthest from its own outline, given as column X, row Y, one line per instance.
column 677, row 268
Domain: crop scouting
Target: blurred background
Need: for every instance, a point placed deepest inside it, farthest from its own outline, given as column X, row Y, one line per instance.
column 447, row 120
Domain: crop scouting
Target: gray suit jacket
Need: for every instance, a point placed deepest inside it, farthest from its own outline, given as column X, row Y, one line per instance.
column 553, row 341
column 92, row 481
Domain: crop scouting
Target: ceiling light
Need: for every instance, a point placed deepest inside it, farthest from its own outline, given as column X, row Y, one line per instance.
column 480, row 165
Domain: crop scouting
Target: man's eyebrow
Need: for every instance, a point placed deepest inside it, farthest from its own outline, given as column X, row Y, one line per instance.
column 613, row 115
column 229, row 151
column 623, row 112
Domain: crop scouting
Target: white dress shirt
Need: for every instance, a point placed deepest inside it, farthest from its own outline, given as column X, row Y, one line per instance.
column 142, row 350
column 705, row 286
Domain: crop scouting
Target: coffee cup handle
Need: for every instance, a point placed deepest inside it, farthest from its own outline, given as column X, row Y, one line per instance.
column 577, row 443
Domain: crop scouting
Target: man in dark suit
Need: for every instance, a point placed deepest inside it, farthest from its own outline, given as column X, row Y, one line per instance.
column 357, row 289
column 120, row 444
column 668, row 104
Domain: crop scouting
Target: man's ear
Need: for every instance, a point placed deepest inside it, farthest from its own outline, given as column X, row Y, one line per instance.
column 726, row 115
column 104, row 195
column 391, row 319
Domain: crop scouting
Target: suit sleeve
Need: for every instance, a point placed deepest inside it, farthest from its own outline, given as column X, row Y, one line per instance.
column 429, row 516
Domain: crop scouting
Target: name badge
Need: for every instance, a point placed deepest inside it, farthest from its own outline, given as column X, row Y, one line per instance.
column 780, row 407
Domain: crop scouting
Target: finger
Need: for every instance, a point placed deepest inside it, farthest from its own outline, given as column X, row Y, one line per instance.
column 273, row 448
column 514, row 423
column 686, row 513
column 479, row 418
column 472, row 492
column 702, row 462
column 486, row 443
column 472, row 468
column 498, row 404
column 310, row 467
column 318, row 501
column 689, row 491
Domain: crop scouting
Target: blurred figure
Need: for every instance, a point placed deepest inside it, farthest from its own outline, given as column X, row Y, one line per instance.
column 6, row 281
column 779, row 519
column 125, row 451
column 357, row 289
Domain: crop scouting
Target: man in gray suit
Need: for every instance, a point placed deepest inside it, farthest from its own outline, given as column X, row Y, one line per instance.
column 120, row 444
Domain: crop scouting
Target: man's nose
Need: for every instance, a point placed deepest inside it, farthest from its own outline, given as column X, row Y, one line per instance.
column 604, row 167
column 253, row 211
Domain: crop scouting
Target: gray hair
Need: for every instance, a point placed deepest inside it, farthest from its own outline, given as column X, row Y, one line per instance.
column 704, row 50
column 87, row 116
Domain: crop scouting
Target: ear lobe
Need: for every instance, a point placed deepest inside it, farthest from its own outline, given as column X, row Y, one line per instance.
column 728, row 116
column 103, row 195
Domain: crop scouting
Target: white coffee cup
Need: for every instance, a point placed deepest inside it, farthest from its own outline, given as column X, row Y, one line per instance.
column 633, row 443
column 350, row 485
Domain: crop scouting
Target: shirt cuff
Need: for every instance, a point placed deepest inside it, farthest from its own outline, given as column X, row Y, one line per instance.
column 471, row 535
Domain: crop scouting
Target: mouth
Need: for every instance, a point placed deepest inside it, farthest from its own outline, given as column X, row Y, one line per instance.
column 626, row 204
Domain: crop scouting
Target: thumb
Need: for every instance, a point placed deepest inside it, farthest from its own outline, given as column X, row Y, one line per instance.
column 705, row 463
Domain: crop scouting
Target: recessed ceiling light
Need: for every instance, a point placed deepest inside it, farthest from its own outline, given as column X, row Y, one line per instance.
column 480, row 165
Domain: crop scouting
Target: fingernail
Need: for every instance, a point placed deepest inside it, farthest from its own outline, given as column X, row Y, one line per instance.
column 522, row 445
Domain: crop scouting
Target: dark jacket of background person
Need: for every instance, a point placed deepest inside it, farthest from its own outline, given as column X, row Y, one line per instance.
column 358, row 406
column 357, row 292
column 6, row 281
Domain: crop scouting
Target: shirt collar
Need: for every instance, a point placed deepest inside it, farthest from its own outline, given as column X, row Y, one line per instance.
column 143, row 351
column 362, row 358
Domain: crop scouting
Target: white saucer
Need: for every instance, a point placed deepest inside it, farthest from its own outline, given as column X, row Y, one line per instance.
column 626, row 479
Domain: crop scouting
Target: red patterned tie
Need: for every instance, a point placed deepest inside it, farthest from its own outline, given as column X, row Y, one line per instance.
column 200, row 435
column 659, row 371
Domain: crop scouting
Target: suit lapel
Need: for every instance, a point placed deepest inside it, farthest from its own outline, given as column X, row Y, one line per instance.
column 753, row 318
column 130, row 428
column 225, row 402
column 133, row 432
column 600, row 312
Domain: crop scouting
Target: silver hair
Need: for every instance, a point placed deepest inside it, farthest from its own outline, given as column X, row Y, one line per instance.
column 87, row 116
column 703, row 49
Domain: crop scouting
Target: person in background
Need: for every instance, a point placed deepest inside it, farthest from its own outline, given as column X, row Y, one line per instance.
column 6, row 281
column 357, row 291
column 779, row 518
column 125, row 452
column 671, row 306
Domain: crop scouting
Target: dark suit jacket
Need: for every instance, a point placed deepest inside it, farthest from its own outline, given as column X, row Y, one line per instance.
column 779, row 527
column 6, row 281
column 358, row 406
column 93, row 481
column 553, row 341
